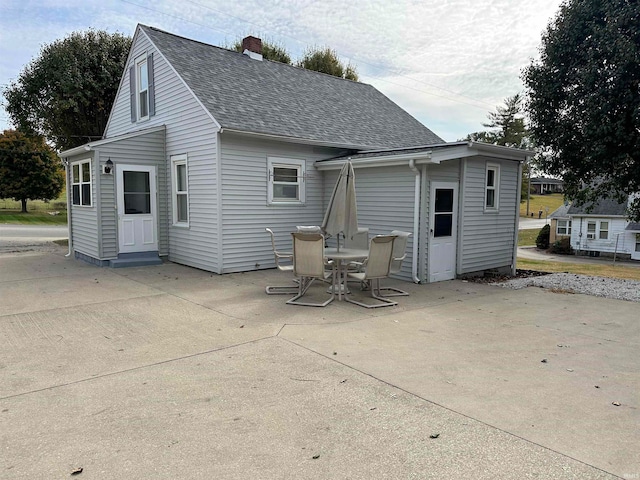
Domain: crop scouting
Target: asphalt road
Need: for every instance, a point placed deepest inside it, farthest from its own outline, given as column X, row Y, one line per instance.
column 14, row 237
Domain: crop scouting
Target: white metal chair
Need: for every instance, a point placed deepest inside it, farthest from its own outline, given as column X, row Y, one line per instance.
column 280, row 257
column 377, row 266
column 309, row 263
column 399, row 254
column 309, row 229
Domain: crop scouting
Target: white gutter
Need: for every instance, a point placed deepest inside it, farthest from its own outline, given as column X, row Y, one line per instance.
column 517, row 222
column 416, row 221
column 66, row 181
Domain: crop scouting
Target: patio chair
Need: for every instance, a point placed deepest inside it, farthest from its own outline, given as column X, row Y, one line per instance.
column 279, row 258
column 376, row 267
column 359, row 240
column 399, row 254
column 309, row 263
column 309, row 229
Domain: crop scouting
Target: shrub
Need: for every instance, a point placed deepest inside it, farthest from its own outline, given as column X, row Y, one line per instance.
column 562, row 246
column 543, row 237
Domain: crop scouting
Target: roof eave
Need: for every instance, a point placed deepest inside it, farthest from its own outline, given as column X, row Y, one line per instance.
column 299, row 140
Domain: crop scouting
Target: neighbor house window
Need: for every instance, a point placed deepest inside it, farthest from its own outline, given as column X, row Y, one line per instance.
column 491, row 191
column 563, row 227
column 81, row 183
column 286, row 180
column 637, row 242
column 591, row 230
column 180, row 190
column 142, row 76
column 604, row 230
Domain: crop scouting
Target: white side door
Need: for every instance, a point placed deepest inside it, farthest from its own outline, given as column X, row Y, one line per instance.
column 137, row 209
column 443, row 227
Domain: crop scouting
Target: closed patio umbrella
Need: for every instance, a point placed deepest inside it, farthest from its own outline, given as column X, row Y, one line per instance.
column 342, row 215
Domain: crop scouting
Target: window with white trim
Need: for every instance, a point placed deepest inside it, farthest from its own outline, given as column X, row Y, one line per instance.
column 491, row 188
column 81, row 183
column 604, row 231
column 591, row 230
column 637, row 242
column 286, row 180
column 180, row 190
column 563, row 227
column 142, row 88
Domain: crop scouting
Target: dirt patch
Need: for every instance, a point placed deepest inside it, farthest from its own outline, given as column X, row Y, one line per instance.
column 493, row 277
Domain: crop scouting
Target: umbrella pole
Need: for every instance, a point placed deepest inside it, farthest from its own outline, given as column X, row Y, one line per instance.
column 338, row 241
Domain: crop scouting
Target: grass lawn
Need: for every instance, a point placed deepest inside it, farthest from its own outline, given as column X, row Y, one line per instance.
column 37, row 211
column 598, row 270
column 526, row 238
column 33, row 217
column 541, row 202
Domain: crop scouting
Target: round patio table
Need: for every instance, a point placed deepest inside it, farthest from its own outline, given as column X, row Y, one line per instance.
column 342, row 257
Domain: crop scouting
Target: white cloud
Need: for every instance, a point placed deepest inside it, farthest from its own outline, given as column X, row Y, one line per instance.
column 447, row 62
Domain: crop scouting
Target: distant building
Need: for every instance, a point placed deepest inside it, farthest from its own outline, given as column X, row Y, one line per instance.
column 542, row 185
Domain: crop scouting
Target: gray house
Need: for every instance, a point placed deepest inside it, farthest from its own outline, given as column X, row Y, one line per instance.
column 206, row 147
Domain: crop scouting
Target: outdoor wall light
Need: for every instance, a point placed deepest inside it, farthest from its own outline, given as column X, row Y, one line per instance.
column 107, row 169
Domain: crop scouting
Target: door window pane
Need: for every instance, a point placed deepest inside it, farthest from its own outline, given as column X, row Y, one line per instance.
column 443, row 225
column 444, row 200
column 137, row 193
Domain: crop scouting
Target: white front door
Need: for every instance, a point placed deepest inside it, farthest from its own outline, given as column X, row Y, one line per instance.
column 137, row 217
column 443, row 226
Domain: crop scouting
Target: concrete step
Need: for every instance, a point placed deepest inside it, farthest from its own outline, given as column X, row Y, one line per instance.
column 139, row 259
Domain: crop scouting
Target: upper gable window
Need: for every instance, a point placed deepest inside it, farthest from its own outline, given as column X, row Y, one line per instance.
column 286, row 181
column 142, row 88
column 491, row 190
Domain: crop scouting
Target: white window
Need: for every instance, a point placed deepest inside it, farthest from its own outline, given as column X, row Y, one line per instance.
column 591, row 230
column 81, row 183
column 604, row 230
column 286, row 180
column 180, row 190
column 492, row 191
column 142, row 88
column 563, row 227
column 637, row 242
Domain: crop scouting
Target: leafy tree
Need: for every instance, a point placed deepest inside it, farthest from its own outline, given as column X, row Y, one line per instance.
column 29, row 169
column 508, row 128
column 66, row 93
column 584, row 99
column 326, row 60
column 270, row 51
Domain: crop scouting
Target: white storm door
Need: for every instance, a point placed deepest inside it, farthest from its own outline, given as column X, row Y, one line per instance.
column 137, row 209
column 443, row 228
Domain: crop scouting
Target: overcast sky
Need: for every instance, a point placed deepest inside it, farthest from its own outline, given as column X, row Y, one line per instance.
column 447, row 62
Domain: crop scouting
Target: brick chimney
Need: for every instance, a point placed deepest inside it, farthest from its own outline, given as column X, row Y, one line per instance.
column 252, row 46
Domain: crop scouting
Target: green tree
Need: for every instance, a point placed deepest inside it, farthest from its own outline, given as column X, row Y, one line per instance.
column 584, row 99
column 66, row 92
column 270, row 51
column 29, row 169
column 508, row 128
column 326, row 60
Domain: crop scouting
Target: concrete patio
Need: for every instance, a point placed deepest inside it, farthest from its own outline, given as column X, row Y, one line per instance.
column 171, row 372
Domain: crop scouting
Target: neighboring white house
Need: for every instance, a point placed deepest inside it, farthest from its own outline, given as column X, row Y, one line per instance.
column 205, row 147
column 604, row 229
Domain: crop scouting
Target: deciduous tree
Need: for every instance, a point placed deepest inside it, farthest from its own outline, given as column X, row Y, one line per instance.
column 270, row 51
column 584, row 99
column 326, row 60
column 29, row 169
column 66, row 92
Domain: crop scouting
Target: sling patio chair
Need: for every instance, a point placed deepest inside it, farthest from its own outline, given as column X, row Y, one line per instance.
column 309, row 264
column 376, row 267
column 287, row 266
column 399, row 254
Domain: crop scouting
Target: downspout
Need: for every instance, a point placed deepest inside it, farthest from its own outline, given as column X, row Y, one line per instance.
column 517, row 222
column 416, row 221
column 65, row 161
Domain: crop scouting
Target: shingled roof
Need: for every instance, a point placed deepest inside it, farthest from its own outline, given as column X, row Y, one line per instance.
column 604, row 207
column 272, row 98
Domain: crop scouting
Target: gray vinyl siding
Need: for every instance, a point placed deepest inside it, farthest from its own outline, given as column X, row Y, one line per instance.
column 385, row 200
column 617, row 225
column 190, row 130
column 145, row 149
column 488, row 236
column 246, row 213
column 84, row 219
